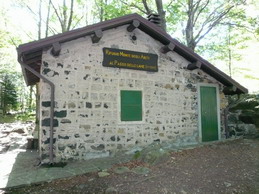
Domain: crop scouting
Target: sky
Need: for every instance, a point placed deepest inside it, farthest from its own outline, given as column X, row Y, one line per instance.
column 249, row 66
column 22, row 23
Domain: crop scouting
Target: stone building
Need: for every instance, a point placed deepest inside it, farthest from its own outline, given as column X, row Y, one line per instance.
column 122, row 84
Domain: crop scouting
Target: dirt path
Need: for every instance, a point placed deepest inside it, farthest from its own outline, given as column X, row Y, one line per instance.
column 230, row 167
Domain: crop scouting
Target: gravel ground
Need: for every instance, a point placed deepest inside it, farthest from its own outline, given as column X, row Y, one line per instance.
column 224, row 167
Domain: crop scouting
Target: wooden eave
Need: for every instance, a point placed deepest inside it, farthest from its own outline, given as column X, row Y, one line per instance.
column 31, row 53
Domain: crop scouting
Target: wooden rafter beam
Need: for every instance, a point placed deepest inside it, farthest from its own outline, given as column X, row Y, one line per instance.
column 34, row 60
column 135, row 24
column 96, row 37
column 194, row 65
column 166, row 48
column 229, row 90
column 32, row 55
column 56, row 48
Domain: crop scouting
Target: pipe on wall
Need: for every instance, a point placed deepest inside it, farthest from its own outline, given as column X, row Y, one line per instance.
column 52, row 105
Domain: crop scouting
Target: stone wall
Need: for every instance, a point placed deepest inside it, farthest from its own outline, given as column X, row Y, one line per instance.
column 243, row 117
column 87, row 110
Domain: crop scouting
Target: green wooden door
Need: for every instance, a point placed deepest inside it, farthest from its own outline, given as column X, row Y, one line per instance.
column 209, row 116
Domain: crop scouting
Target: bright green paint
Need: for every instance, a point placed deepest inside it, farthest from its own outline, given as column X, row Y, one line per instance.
column 131, row 105
column 209, row 117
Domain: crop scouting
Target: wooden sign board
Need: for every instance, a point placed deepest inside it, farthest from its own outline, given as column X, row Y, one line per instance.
column 129, row 59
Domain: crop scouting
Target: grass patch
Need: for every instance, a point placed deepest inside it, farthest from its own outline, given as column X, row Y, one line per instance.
column 17, row 117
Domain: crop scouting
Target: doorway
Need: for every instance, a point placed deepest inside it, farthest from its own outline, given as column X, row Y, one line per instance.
column 209, row 113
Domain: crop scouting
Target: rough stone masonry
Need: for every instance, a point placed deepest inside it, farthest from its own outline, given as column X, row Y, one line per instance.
column 87, row 111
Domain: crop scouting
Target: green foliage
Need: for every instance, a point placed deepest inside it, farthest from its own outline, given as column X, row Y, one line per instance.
column 13, row 92
column 251, row 77
column 25, row 116
column 7, row 118
column 248, row 105
column 137, row 155
column 216, row 43
column 3, row 35
column 174, row 15
column 9, row 97
column 104, row 10
column 11, row 118
column 244, row 102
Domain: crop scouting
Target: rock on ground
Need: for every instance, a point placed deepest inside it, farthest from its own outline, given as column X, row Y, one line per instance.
column 14, row 135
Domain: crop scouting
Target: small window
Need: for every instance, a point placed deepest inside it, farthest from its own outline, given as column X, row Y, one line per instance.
column 131, row 105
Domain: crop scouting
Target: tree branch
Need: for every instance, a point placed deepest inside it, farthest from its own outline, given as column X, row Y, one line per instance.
column 71, row 15
column 161, row 12
column 135, row 6
column 217, row 21
column 14, row 44
column 148, row 11
column 169, row 4
column 40, row 20
column 56, row 11
column 77, row 22
column 238, row 26
column 200, row 11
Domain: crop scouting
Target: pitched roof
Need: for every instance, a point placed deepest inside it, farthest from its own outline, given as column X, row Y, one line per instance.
column 31, row 53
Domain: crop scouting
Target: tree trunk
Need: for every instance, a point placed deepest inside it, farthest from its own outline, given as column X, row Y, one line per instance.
column 30, row 98
column 229, row 52
column 101, row 11
column 3, row 104
column 47, row 20
column 64, row 21
column 189, row 26
column 40, row 20
column 161, row 12
column 148, row 11
column 105, row 18
column 1, row 97
column 70, row 15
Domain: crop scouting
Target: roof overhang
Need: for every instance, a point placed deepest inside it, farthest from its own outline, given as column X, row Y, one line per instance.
column 31, row 53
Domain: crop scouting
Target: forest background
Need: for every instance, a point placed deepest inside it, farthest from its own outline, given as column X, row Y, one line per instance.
column 225, row 32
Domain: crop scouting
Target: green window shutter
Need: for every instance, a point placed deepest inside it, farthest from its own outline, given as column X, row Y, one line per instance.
column 131, row 105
